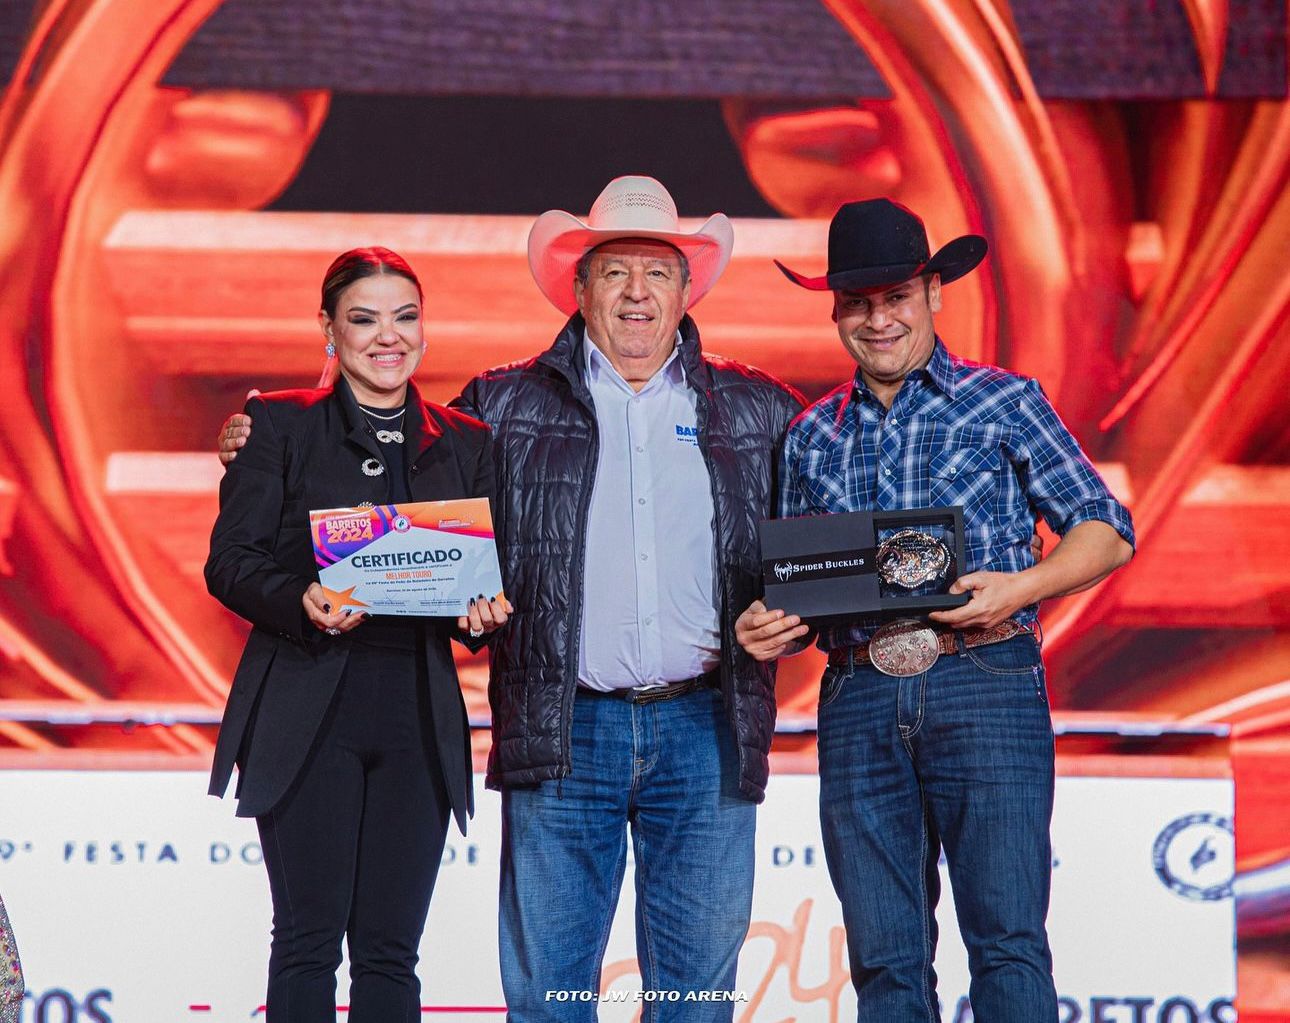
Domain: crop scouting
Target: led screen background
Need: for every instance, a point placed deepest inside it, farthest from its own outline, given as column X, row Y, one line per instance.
column 174, row 177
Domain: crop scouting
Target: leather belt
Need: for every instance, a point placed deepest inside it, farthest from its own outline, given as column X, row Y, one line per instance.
column 910, row 646
column 657, row 694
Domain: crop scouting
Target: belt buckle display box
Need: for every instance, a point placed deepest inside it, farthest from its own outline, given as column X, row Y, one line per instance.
column 866, row 564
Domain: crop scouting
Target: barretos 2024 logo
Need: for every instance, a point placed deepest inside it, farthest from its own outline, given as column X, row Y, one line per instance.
column 1195, row 856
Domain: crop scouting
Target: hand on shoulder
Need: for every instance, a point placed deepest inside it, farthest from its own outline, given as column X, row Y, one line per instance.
column 233, row 434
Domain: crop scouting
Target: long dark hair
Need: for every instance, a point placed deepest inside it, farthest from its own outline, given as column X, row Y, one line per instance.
column 356, row 264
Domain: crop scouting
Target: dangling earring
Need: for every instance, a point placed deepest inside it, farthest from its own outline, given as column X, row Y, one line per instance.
column 331, row 349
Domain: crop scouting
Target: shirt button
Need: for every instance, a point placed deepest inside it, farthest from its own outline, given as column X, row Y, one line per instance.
column 640, row 447
column 886, row 472
column 953, row 469
column 649, row 621
column 644, row 557
column 895, row 423
column 640, row 500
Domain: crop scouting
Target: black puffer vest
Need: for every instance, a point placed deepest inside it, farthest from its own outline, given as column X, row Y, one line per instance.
column 545, row 448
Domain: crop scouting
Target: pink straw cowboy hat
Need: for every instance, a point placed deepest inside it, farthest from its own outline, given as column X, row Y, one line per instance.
column 630, row 207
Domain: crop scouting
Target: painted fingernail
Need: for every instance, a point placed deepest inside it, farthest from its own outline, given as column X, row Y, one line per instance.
column 481, row 597
column 470, row 602
column 327, row 608
column 348, row 611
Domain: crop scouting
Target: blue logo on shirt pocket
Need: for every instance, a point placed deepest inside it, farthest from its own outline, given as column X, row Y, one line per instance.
column 687, row 434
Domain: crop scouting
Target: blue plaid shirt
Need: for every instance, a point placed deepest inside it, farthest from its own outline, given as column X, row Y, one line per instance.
column 956, row 433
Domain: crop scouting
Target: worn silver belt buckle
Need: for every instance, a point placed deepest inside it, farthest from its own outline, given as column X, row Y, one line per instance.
column 904, row 647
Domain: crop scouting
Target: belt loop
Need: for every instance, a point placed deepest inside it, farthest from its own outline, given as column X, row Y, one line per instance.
column 960, row 643
column 851, row 660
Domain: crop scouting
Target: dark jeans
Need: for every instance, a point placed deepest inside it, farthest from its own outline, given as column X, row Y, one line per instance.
column 669, row 772
column 960, row 757
column 353, row 850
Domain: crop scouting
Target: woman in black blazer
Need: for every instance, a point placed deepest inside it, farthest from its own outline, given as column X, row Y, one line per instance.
column 349, row 732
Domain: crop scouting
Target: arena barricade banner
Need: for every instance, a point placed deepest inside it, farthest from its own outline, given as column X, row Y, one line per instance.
column 137, row 899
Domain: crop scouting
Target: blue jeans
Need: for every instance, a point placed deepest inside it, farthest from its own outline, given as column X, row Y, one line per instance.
column 669, row 771
column 960, row 757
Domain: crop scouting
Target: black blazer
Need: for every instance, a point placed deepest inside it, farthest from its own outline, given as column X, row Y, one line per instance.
column 306, row 452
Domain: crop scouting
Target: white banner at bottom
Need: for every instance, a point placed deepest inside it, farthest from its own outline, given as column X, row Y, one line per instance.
column 137, row 899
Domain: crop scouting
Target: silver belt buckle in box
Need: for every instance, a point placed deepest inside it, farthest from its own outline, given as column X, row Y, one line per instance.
column 904, row 647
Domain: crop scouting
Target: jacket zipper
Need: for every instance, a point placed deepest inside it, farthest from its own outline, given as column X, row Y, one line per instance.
column 575, row 619
column 727, row 655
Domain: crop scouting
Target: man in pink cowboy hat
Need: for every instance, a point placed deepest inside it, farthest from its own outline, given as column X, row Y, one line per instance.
column 936, row 735
column 633, row 470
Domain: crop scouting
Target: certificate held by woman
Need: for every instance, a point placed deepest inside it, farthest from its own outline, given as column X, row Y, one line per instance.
column 426, row 558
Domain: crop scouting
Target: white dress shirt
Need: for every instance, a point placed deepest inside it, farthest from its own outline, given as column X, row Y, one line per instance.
column 649, row 614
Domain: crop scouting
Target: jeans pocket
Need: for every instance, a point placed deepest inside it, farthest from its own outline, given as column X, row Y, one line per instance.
column 1017, row 656
column 831, row 683
column 1041, row 682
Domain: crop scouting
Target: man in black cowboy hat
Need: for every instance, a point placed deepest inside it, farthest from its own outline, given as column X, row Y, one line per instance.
column 957, row 754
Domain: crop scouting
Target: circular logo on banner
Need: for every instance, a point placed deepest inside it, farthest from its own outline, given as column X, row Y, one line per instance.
column 1195, row 856
column 401, row 524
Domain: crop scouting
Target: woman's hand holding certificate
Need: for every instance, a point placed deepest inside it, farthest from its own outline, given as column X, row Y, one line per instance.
column 485, row 616
column 320, row 613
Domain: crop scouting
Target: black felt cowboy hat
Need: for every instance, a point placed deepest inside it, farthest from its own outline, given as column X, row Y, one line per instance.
column 876, row 243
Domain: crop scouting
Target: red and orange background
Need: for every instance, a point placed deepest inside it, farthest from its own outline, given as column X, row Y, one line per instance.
column 1139, row 221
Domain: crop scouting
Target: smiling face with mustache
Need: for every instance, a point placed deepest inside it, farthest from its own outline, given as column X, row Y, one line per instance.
column 889, row 333
column 633, row 298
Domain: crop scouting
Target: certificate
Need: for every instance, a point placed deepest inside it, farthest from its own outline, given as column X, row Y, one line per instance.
column 423, row 558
